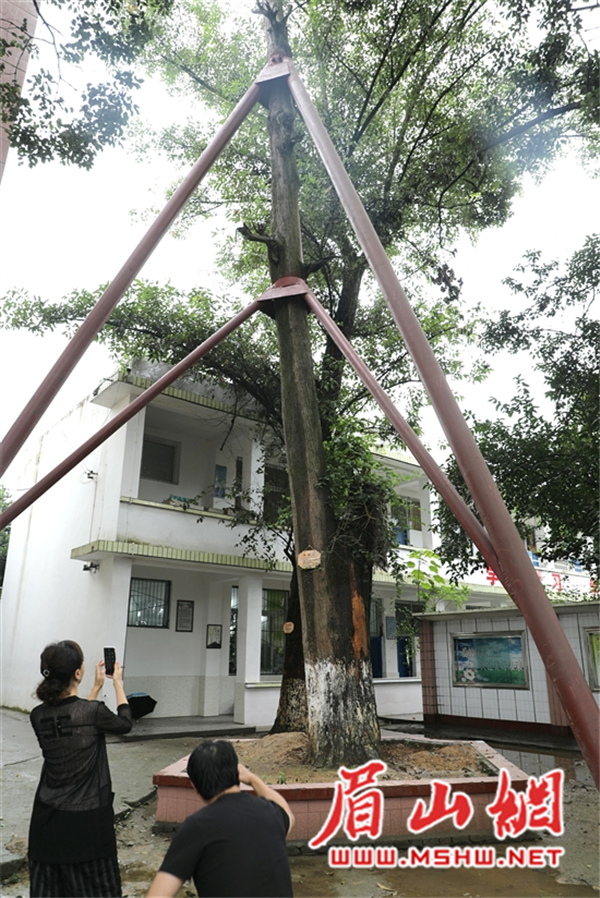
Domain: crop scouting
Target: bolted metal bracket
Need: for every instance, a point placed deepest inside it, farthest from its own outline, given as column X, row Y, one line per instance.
column 277, row 67
column 282, row 288
column 290, row 286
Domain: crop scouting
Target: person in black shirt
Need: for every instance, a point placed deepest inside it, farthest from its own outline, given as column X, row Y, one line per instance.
column 72, row 844
column 235, row 845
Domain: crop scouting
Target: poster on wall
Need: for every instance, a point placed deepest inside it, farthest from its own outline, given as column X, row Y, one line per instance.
column 490, row 660
column 390, row 628
column 214, row 636
column 185, row 617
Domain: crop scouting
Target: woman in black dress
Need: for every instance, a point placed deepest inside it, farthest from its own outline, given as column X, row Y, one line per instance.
column 72, row 843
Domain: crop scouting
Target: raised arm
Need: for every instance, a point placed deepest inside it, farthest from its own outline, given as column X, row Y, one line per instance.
column 98, row 682
column 264, row 791
column 164, row 885
column 119, row 723
column 117, row 679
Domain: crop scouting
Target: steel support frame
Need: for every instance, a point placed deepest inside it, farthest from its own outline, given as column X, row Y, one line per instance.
column 516, row 568
column 513, row 564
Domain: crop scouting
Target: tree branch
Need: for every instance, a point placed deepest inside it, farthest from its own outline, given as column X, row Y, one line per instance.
column 538, row 120
column 258, row 237
column 194, row 77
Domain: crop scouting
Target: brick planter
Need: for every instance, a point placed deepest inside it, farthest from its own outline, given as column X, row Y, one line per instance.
column 311, row 802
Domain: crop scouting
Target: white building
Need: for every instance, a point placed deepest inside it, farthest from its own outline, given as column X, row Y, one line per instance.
column 135, row 548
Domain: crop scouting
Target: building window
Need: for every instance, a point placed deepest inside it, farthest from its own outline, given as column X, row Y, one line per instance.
column 405, row 641
column 233, row 619
column 531, row 542
column 149, row 602
column 274, row 611
column 406, row 516
column 593, row 653
column 375, row 617
column 239, row 482
column 220, row 481
column 276, row 494
column 376, row 642
column 160, row 460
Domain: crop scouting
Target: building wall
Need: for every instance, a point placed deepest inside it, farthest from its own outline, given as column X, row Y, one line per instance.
column 117, row 470
column 46, row 596
column 532, row 705
column 257, row 703
column 176, row 668
column 429, row 690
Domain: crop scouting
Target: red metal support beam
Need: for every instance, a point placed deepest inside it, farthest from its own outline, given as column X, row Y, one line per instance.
column 92, row 325
column 132, row 409
column 518, row 572
column 447, row 491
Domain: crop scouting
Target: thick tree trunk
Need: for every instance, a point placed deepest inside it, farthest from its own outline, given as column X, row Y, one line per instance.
column 292, row 713
column 342, row 717
column 334, row 361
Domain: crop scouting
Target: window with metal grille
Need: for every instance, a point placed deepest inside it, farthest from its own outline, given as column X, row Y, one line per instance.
column 160, row 460
column 405, row 642
column 220, row 487
column 276, row 495
column 274, row 611
column 375, row 617
column 149, row 602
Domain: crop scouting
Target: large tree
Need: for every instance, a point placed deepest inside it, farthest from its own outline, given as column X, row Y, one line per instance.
column 437, row 111
column 543, row 450
column 341, row 710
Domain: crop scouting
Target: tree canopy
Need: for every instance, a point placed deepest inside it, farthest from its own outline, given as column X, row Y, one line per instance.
column 435, row 109
column 58, row 117
column 545, row 461
column 437, row 112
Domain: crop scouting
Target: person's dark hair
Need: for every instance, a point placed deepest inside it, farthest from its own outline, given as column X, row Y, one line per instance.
column 213, row 767
column 58, row 663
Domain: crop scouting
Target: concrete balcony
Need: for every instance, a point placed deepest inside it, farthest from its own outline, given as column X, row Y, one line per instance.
column 187, row 529
column 164, row 532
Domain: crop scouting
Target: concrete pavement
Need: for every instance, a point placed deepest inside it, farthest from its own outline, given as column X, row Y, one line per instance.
column 152, row 745
column 155, row 743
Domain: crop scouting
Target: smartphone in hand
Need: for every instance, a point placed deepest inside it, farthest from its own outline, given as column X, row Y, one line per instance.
column 110, row 656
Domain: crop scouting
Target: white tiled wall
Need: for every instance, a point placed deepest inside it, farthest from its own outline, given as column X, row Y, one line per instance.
column 527, row 705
